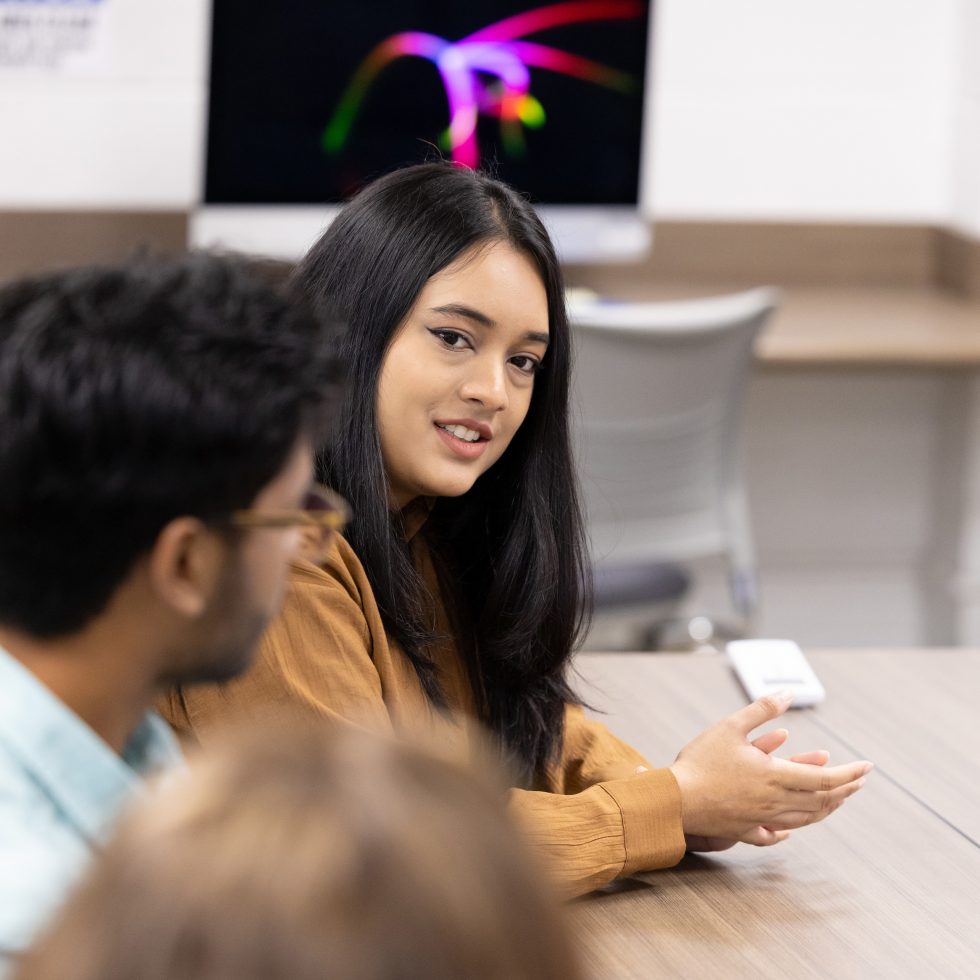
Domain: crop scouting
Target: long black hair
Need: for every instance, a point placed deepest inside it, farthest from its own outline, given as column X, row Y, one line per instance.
column 513, row 545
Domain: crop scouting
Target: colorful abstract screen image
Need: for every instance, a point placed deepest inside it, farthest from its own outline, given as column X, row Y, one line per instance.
column 311, row 99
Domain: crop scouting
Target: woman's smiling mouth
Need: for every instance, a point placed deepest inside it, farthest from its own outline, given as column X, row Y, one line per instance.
column 461, row 432
column 466, row 438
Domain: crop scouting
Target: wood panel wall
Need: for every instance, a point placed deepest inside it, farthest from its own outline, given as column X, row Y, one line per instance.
column 685, row 253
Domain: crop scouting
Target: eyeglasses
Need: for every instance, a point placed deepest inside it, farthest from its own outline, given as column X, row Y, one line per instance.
column 323, row 513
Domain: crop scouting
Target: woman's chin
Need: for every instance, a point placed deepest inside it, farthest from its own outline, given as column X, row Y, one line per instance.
column 450, row 486
column 449, row 481
column 453, row 490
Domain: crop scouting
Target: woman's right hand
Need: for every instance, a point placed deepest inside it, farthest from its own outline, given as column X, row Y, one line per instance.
column 735, row 790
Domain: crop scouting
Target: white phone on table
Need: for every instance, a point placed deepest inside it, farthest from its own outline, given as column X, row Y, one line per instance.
column 767, row 666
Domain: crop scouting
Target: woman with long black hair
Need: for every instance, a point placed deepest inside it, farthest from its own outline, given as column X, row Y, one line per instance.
column 460, row 586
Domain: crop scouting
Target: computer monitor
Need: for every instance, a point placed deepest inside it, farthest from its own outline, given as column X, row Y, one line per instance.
column 311, row 99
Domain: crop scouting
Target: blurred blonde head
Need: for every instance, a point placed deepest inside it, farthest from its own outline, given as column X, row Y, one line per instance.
column 312, row 853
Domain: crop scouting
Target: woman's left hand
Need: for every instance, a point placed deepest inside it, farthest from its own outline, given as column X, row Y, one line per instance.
column 768, row 743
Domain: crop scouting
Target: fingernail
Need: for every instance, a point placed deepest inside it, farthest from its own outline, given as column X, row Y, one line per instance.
column 784, row 695
column 868, row 766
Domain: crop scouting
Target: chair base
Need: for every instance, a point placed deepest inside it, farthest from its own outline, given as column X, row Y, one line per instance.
column 625, row 585
column 660, row 628
column 693, row 634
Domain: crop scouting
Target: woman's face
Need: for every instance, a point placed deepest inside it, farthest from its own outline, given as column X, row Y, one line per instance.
column 457, row 378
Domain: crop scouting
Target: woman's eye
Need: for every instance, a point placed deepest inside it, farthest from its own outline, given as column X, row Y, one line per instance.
column 525, row 364
column 451, row 338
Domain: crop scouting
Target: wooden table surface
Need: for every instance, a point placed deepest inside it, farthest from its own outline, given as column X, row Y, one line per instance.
column 888, row 886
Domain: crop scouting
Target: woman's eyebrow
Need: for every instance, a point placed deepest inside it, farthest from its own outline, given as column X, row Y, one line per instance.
column 469, row 313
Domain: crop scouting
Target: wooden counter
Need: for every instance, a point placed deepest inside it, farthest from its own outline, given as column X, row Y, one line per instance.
column 865, row 327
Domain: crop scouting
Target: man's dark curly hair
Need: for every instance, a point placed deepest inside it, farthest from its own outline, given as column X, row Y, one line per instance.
column 130, row 395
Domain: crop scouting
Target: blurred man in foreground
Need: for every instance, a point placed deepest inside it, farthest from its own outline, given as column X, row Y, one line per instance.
column 156, row 428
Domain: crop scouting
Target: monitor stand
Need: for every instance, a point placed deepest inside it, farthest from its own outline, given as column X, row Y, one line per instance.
column 582, row 234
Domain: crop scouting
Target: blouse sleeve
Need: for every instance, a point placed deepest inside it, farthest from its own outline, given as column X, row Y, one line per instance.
column 601, row 820
column 591, row 754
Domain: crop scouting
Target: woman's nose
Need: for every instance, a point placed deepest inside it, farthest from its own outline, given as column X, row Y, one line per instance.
column 486, row 383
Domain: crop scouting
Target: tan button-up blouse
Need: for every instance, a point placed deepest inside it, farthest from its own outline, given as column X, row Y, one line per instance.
column 327, row 655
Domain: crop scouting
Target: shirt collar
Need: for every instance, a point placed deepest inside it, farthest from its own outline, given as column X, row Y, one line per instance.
column 77, row 769
column 415, row 514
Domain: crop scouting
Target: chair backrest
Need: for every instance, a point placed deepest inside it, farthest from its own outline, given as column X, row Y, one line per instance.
column 657, row 397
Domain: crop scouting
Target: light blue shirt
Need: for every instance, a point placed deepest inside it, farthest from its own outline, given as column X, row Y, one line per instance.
column 61, row 788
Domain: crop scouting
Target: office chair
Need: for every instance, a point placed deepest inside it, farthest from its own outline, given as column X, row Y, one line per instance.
column 657, row 400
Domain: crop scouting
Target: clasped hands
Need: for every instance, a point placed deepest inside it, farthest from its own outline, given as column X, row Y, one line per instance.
column 733, row 789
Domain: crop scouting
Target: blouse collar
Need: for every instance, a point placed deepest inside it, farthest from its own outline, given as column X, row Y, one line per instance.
column 415, row 514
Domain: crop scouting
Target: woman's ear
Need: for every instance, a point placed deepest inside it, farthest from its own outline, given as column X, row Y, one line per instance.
column 185, row 565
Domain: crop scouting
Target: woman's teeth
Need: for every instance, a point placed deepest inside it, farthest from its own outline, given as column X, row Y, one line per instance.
column 461, row 432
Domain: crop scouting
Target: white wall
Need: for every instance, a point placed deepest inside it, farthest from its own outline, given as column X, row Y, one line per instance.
column 766, row 109
column 841, row 468
column 805, row 109
column 965, row 165
column 128, row 133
